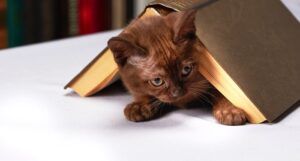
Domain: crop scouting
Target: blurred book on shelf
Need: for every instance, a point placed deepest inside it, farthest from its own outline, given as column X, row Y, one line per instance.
column 33, row 21
column 14, row 23
column 93, row 16
column 122, row 12
column 73, row 17
column 3, row 31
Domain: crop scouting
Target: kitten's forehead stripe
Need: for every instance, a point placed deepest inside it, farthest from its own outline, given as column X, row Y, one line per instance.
column 164, row 48
column 165, row 51
column 158, row 41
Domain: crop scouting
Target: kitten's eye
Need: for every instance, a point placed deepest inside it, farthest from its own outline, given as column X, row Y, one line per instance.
column 186, row 70
column 157, row 82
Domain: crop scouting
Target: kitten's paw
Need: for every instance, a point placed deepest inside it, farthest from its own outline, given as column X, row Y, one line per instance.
column 230, row 116
column 138, row 112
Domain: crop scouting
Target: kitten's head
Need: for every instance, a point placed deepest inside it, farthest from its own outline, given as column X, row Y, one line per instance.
column 158, row 57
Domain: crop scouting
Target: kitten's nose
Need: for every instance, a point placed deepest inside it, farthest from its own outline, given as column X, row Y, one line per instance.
column 177, row 92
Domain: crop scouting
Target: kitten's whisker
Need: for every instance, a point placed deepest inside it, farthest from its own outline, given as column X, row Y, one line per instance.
column 206, row 99
column 200, row 90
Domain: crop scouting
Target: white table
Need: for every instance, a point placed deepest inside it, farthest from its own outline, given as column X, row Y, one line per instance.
column 39, row 121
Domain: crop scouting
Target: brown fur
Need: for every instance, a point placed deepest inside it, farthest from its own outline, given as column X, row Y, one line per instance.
column 162, row 47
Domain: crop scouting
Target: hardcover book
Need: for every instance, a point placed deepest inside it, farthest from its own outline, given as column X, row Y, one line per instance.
column 252, row 54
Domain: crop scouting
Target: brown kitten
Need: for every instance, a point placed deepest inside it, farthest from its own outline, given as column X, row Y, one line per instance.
column 158, row 62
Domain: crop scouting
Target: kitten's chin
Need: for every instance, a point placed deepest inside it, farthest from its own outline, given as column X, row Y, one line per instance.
column 170, row 100
column 177, row 100
column 166, row 100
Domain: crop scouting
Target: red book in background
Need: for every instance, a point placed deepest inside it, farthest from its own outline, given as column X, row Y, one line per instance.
column 94, row 16
column 3, row 27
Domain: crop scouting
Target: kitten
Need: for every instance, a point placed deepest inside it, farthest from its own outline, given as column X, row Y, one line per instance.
column 158, row 62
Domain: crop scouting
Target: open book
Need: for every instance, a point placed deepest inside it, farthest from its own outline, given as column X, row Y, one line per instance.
column 252, row 54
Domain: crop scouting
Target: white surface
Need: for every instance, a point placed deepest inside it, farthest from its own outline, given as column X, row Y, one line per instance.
column 39, row 121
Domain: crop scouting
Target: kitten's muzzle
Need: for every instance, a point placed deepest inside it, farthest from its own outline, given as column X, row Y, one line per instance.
column 178, row 92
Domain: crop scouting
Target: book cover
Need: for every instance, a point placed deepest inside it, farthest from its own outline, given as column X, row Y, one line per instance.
column 258, row 49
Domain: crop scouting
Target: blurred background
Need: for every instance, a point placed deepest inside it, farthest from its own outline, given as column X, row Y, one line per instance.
column 25, row 22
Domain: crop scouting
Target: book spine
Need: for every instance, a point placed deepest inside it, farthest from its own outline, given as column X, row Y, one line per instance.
column 47, row 20
column 86, row 16
column 61, row 15
column 98, row 17
column 29, row 15
column 30, row 19
column 3, row 30
column 129, row 10
column 37, row 23
column 106, row 7
column 92, row 16
column 73, row 18
column 14, row 22
column 118, row 13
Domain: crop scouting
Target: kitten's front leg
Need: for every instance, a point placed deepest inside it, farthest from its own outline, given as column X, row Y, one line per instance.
column 142, row 110
column 228, row 114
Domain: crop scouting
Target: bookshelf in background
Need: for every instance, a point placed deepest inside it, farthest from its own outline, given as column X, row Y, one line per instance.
column 33, row 21
column 39, row 20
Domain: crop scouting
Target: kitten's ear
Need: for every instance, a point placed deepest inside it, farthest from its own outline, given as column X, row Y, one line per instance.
column 123, row 49
column 183, row 25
